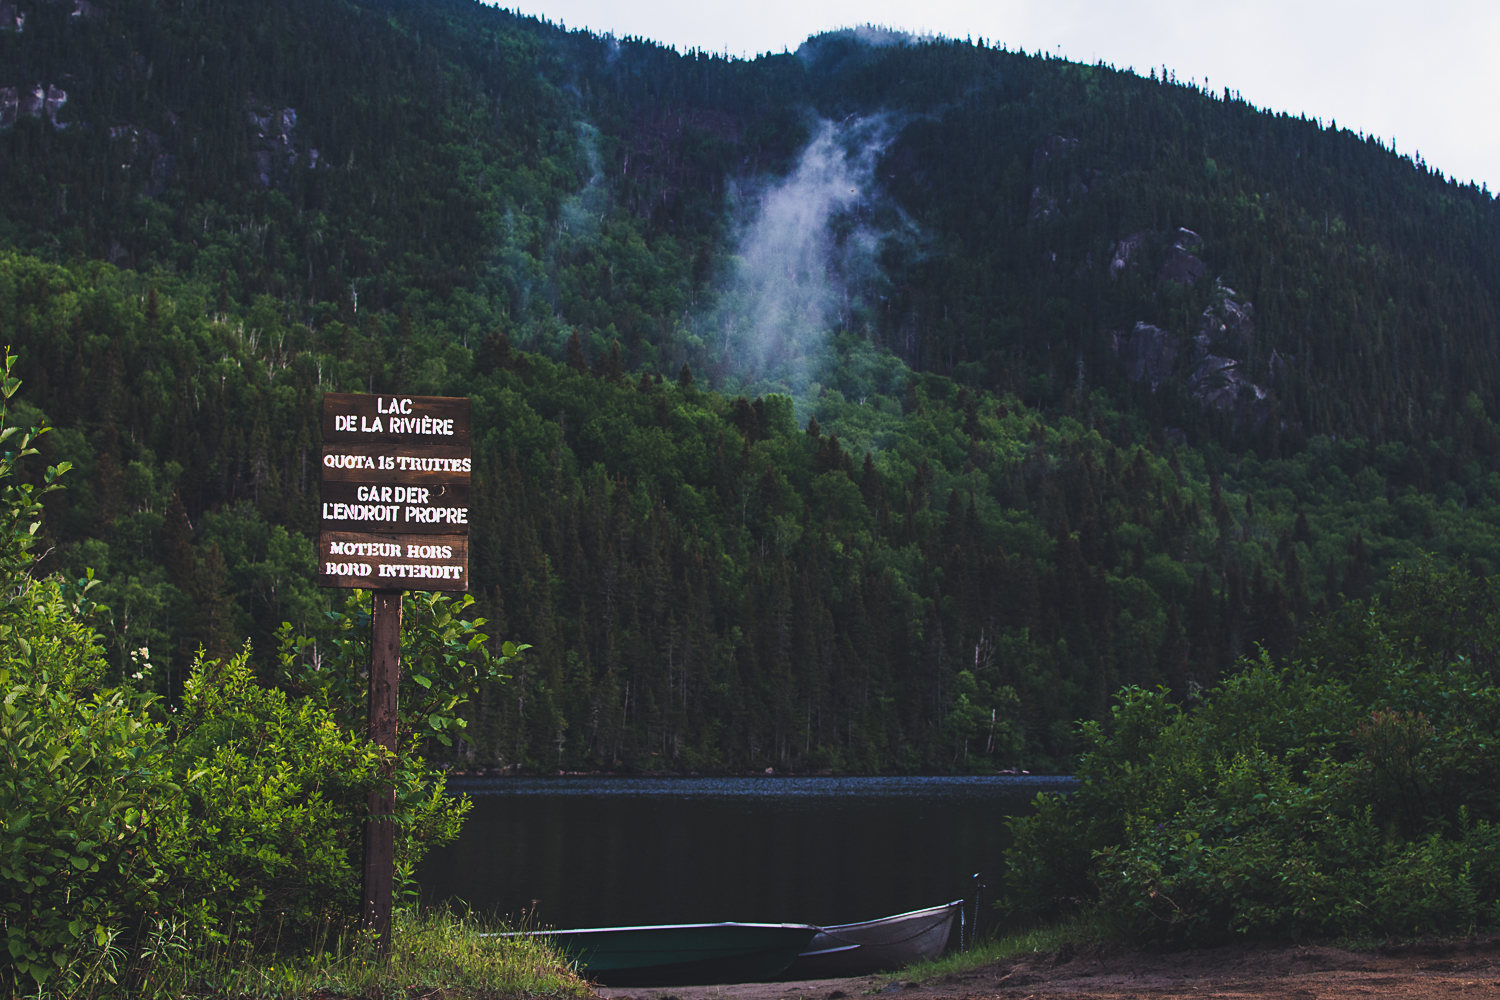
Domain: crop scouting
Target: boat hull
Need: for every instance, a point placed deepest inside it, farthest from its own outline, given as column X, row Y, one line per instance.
column 875, row 945
column 684, row 954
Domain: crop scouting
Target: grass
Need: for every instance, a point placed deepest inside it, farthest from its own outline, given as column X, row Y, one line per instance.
column 435, row 953
column 1047, row 938
column 1095, row 929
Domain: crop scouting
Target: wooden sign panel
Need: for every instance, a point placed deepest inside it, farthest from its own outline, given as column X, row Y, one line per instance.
column 436, row 509
column 350, row 417
column 394, row 502
column 393, row 562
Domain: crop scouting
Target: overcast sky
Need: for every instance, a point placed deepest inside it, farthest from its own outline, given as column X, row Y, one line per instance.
column 1426, row 75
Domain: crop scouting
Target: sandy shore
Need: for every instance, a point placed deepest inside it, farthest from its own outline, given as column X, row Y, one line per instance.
column 1264, row 971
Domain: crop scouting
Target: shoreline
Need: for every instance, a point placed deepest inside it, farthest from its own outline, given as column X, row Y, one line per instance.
column 1114, row 972
column 505, row 772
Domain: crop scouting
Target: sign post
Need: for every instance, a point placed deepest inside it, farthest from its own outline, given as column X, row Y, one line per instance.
column 394, row 516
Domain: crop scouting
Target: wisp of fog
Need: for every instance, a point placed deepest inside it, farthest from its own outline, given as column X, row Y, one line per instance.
column 805, row 258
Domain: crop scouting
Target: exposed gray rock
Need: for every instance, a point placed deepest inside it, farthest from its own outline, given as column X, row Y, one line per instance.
column 1227, row 326
column 273, row 149
column 1043, row 206
column 146, row 142
column 1182, row 267
column 33, row 100
column 1052, row 147
column 162, row 166
column 1123, row 251
column 1148, row 353
column 1218, row 382
column 1278, row 365
column 55, row 99
column 1226, row 332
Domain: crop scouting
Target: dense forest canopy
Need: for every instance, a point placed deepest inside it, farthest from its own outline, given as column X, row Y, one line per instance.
column 876, row 406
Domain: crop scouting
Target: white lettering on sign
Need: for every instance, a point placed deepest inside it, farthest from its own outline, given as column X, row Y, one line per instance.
column 349, row 462
column 405, row 463
column 361, row 511
column 422, row 572
column 420, row 425
column 435, row 515
column 437, row 426
column 397, row 406
column 348, row 569
column 393, row 494
column 366, row 549
column 428, row 552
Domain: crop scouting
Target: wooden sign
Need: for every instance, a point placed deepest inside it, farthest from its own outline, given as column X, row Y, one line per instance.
column 394, row 502
column 386, row 419
column 393, row 562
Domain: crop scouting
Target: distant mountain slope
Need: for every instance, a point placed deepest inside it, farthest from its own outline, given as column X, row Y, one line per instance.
column 441, row 155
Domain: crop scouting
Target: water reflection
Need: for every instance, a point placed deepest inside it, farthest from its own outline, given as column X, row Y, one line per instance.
column 600, row 852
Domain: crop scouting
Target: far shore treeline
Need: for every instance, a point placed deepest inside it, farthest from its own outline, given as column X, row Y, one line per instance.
column 910, row 574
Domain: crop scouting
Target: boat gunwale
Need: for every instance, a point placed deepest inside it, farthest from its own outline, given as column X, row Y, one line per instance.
column 655, row 927
column 833, row 928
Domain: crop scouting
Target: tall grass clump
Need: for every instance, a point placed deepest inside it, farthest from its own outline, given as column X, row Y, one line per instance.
column 435, row 950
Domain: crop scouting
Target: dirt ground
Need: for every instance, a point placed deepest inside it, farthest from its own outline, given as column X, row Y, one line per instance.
column 1295, row 973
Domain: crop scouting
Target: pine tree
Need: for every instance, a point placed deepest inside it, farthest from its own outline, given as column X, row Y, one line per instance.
column 576, row 360
column 176, row 546
column 209, row 622
column 870, row 486
column 493, row 354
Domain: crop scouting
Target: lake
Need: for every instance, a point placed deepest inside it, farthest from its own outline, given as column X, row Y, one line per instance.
column 599, row 852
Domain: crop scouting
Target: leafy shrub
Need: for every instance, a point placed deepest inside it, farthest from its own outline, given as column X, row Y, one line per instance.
column 235, row 816
column 82, row 789
column 271, row 821
column 1353, row 793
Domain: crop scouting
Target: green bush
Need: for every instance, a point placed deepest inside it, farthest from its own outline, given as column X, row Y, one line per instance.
column 236, row 815
column 83, row 790
column 1355, row 793
column 273, row 812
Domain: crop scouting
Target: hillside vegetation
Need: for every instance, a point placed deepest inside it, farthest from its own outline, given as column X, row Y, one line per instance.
column 1090, row 379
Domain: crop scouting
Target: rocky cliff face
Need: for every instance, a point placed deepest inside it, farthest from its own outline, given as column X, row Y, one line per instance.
column 274, row 149
column 1148, row 353
column 1226, row 332
column 32, row 102
column 1181, row 265
column 1211, row 362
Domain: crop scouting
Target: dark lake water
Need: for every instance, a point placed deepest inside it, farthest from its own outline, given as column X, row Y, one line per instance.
column 599, row 852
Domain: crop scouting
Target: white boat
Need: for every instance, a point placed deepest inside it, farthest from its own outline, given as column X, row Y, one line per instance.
column 875, row 945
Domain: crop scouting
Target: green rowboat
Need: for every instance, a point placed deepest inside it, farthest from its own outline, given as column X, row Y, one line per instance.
column 683, row 954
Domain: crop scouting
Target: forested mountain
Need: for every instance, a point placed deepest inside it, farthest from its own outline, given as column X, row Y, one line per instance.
column 885, row 405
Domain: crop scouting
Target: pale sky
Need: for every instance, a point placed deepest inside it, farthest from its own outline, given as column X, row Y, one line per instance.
column 1424, row 74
